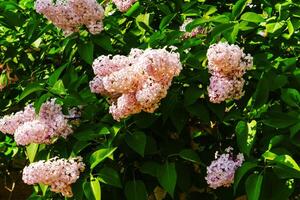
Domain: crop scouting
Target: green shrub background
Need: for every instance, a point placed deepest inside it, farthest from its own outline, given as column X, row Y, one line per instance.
column 141, row 157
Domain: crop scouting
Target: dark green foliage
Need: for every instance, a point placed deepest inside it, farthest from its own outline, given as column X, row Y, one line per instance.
column 163, row 154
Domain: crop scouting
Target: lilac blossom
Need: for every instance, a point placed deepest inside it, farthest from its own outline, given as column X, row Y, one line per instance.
column 136, row 82
column 221, row 171
column 59, row 174
column 69, row 15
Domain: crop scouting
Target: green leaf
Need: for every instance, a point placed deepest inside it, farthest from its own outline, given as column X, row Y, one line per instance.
column 79, row 146
column 219, row 29
column 189, row 155
column 281, row 188
column 31, row 151
column 276, row 140
column 238, row 8
column 294, row 134
column 137, row 141
column 54, row 77
column 166, row 21
column 273, row 27
column 277, row 82
column 96, row 188
column 199, row 110
column 85, row 135
column 135, row 190
column 87, row 189
column 282, row 159
column 31, row 88
column 253, row 186
column 167, row 177
column 103, row 41
column 218, row 19
column 241, row 172
column 252, row 17
column 280, row 120
column 109, row 176
column 234, row 33
column 291, row 97
column 58, row 88
column 191, row 95
column 100, row 155
column 150, row 168
column 86, row 52
column 179, row 117
column 261, row 94
column 44, row 188
column 246, row 133
column 132, row 9
column 291, row 29
column 3, row 80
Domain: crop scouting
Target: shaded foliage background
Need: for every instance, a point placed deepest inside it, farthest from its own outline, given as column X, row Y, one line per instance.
column 165, row 154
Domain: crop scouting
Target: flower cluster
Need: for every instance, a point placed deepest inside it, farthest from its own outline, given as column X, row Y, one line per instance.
column 69, row 15
column 194, row 32
column 9, row 124
column 59, row 174
column 227, row 64
column 137, row 82
column 221, row 171
column 27, row 127
column 124, row 5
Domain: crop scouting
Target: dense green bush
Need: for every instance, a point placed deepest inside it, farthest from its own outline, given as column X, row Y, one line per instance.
column 163, row 155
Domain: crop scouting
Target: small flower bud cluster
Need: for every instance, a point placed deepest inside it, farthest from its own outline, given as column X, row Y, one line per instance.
column 194, row 32
column 227, row 64
column 59, row 174
column 69, row 15
column 137, row 82
column 124, row 5
column 221, row 171
column 29, row 128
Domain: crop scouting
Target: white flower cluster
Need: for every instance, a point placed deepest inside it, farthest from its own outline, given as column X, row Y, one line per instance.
column 221, row 171
column 137, row 82
column 227, row 64
column 69, row 15
column 29, row 128
column 124, row 5
column 59, row 174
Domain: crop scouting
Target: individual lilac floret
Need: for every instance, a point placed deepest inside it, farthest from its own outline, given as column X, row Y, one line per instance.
column 59, row 174
column 69, row 15
column 194, row 32
column 124, row 5
column 9, row 124
column 221, row 171
column 228, row 60
column 227, row 64
column 136, row 82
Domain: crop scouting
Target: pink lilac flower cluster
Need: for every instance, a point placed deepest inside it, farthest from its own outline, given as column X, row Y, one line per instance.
column 194, row 32
column 59, row 174
column 136, row 82
column 227, row 64
column 69, row 15
column 124, row 5
column 9, row 124
column 221, row 171
column 27, row 127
